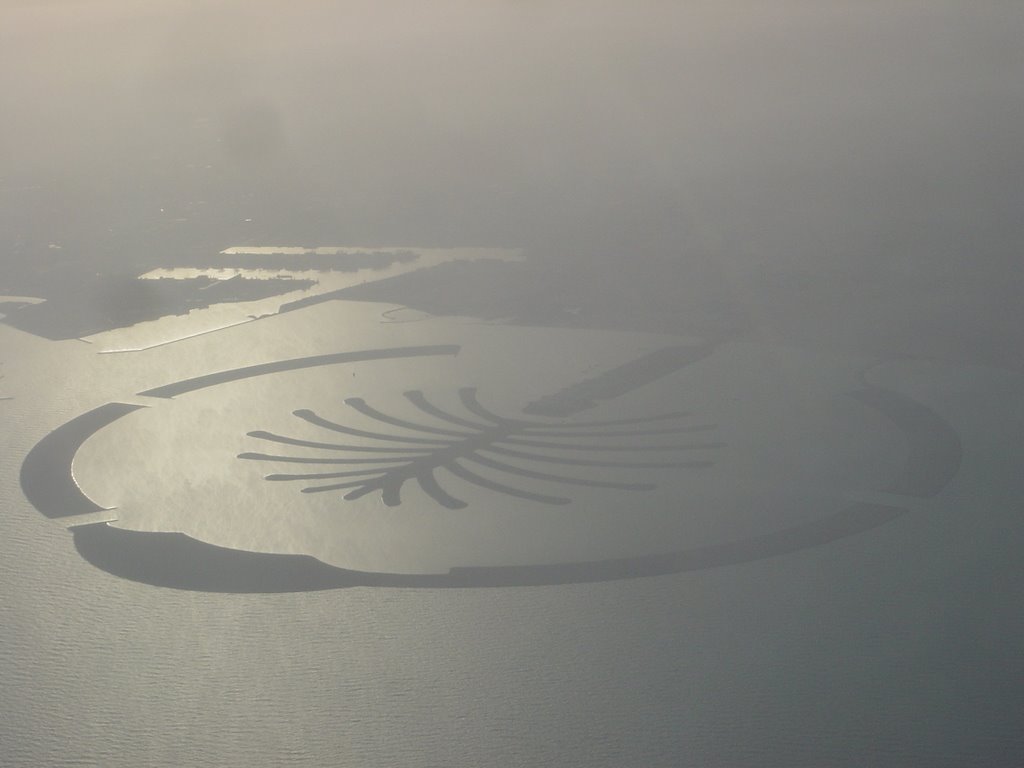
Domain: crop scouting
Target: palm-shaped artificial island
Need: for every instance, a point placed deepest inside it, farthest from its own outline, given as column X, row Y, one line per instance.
column 462, row 443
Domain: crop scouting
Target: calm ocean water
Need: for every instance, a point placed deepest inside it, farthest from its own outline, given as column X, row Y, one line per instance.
column 894, row 647
column 827, row 195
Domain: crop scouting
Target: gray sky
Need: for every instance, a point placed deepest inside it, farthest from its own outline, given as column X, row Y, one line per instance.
column 718, row 137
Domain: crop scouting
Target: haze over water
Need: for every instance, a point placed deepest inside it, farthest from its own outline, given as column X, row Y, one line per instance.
column 801, row 203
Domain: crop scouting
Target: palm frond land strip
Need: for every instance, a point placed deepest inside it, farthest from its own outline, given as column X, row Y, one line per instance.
column 319, row 421
column 431, row 487
column 471, row 477
column 360, row 405
column 417, row 398
column 271, row 437
column 313, row 460
column 467, row 395
column 593, row 463
column 390, row 488
column 534, row 432
column 324, row 475
column 476, row 459
column 620, row 448
column 521, row 471
column 336, row 486
column 421, row 457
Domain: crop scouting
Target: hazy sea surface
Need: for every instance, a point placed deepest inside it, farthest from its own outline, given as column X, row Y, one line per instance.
column 894, row 647
column 839, row 183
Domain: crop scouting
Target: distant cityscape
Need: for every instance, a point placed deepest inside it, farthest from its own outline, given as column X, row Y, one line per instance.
column 98, row 302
